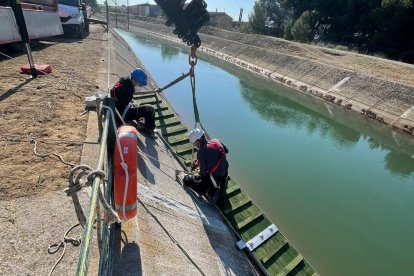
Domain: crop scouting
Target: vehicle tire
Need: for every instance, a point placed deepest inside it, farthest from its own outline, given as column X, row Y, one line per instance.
column 79, row 35
column 87, row 27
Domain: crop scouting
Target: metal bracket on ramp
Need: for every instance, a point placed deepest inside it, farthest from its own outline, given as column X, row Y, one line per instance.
column 260, row 238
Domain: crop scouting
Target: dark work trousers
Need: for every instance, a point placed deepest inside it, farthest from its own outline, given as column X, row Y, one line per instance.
column 143, row 111
column 203, row 185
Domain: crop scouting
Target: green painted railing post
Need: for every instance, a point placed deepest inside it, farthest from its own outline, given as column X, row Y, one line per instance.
column 83, row 262
column 105, row 261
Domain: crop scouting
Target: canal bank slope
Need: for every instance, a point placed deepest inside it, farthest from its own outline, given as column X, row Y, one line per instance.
column 377, row 88
column 147, row 245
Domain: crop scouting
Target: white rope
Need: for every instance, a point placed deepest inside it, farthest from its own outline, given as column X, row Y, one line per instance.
column 53, row 248
column 6, row 55
column 109, row 62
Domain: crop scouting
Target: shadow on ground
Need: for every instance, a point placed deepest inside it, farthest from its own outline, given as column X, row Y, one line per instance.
column 128, row 260
column 14, row 90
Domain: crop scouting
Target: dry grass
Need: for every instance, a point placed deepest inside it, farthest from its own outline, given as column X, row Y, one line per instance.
column 47, row 107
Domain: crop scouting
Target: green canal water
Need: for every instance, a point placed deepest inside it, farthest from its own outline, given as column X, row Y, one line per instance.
column 339, row 187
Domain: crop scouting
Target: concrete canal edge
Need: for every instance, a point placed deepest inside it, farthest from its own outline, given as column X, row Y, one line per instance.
column 376, row 88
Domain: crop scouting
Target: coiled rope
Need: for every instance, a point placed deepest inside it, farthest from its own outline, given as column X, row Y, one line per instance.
column 83, row 176
column 80, row 177
column 53, row 248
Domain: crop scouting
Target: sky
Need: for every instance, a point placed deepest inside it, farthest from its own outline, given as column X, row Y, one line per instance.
column 231, row 7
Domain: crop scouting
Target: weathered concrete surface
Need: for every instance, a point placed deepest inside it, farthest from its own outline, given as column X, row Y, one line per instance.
column 143, row 247
column 379, row 89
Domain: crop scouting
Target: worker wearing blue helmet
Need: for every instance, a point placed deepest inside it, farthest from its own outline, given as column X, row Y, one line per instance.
column 123, row 91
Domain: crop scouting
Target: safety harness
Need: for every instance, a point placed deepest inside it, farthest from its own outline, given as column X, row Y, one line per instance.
column 117, row 86
column 216, row 145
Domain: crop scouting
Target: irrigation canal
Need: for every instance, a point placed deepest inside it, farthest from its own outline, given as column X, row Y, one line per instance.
column 339, row 187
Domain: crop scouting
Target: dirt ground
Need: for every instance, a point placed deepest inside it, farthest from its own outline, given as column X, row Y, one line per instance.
column 46, row 109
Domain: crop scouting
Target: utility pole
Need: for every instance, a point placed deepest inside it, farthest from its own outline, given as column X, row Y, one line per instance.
column 21, row 23
column 128, row 13
column 241, row 15
column 116, row 15
column 240, row 19
column 107, row 15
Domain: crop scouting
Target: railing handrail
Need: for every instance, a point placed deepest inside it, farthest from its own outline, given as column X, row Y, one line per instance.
column 83, row 262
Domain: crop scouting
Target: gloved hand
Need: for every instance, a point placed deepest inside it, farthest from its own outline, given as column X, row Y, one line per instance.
column 197, row 178
column 194, row 165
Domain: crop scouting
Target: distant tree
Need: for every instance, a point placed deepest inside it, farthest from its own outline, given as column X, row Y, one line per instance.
column 268, row 17
column 394, row 21
column 374, row 26
column 257, row 18
column 287, row 32
column 301, row 29
column 295, row 8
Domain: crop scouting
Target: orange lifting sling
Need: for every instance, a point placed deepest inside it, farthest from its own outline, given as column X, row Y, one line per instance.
column 128, row 140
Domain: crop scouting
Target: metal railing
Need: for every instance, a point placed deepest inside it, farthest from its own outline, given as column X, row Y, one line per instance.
column 93, row 215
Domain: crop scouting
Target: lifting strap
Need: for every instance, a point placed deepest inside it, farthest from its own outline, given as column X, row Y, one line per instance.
column 192, row 60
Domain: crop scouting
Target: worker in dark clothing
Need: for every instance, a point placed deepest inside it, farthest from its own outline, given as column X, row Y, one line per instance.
column 123, row 91
column 211, row 159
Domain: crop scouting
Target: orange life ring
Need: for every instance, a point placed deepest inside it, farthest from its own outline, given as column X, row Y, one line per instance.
column 128, row 140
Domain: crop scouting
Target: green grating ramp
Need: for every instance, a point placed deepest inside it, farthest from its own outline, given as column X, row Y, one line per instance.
column 288, row 268
column 244, row 215
column 274, row 255
column 232, row 203
column 138, row 97
column 232, row 187
column 182, row 149
column 167, row 122
column 164, row 114
column 174, row 130
column 269, row 248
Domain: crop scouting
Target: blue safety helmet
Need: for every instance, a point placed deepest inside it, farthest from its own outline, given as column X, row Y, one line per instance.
column 139, row 76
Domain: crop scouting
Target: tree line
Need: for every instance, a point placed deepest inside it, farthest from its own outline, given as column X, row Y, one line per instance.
column 369, row 26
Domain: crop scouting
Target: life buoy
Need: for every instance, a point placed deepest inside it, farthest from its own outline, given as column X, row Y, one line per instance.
column 125, row 193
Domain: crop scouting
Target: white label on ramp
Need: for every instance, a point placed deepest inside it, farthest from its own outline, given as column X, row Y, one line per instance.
column 261, row 237
column 339, row 84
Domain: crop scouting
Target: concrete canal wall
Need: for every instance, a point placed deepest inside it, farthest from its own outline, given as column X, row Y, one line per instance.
column 376, row 88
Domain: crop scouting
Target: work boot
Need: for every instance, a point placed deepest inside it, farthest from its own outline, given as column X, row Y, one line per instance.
column 212, row 195
column 152, row 134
